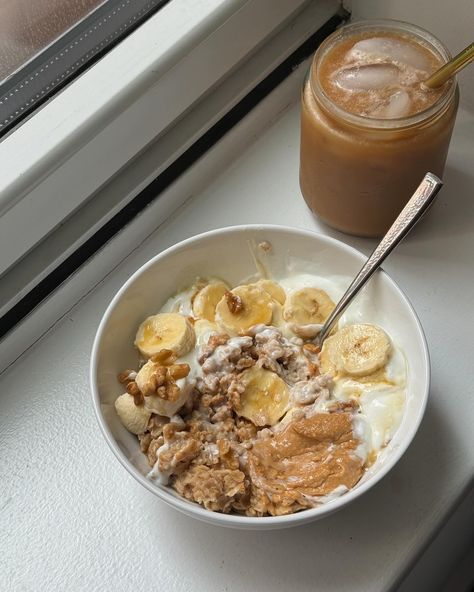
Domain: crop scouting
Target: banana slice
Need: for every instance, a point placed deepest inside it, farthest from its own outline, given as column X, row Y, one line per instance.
column 167, row 330
column 134, row 418
column 357, row 350
column 274, row 289
column 203, row 330
column 307, row 306
column 265, row 398
column 243, row 307
column 205, row 301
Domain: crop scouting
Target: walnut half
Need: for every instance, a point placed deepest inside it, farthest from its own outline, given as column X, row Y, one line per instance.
column 132, row 389
column 234, row 302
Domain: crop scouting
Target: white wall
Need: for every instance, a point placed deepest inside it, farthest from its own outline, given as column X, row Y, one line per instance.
column 452, row 21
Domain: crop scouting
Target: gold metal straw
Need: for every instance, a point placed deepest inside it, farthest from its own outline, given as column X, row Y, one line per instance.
column 463, row 58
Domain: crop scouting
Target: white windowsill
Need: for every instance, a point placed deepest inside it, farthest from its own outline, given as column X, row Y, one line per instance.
column 79, row 518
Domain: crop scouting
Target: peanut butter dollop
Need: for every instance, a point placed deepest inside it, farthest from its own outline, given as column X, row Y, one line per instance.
column 311, row 457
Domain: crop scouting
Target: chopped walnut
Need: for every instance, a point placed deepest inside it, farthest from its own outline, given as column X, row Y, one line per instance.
column 217, row 339
column 156, row 379
column 234, row 302
column 265, row 246
column 177, row 371
column 213, row 342
column 160, row 380
column 171, row 391
column 132, row 389
column 311, row 348
column 126, row 376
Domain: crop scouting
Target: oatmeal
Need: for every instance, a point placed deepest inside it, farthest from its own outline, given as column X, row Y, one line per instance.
column 236, row 409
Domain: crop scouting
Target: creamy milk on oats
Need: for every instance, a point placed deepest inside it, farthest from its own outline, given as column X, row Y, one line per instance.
column 237, row 410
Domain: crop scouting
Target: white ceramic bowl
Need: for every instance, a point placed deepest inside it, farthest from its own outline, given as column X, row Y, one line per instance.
column 226, row 253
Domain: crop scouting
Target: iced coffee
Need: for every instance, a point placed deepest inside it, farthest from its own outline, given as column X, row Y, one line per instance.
column 370, row 130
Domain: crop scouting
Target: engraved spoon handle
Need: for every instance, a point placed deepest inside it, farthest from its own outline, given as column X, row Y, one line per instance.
column 408, row 217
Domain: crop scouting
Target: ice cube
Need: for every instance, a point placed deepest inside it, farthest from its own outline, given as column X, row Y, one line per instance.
column 386, row 48
column 367, row 77
column 398, row 105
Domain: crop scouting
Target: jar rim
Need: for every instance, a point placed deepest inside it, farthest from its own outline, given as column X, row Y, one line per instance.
column 382, row 25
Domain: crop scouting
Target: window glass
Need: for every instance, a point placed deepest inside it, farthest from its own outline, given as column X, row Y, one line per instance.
column 45, row 43
column 26, row 27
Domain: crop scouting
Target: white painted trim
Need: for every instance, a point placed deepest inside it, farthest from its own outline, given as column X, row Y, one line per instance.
column 58, row 158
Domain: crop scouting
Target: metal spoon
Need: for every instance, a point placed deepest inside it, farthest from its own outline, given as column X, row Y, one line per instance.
column 408, row 217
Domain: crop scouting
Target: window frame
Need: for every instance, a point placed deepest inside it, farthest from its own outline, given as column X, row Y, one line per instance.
column 58, row 158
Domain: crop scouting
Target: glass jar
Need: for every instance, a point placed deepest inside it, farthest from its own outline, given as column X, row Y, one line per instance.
column 357, row 172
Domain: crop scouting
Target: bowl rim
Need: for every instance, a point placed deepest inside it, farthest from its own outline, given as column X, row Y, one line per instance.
column 236, row 520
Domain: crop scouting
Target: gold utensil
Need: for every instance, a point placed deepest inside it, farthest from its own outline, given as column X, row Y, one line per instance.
column 465, row 57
